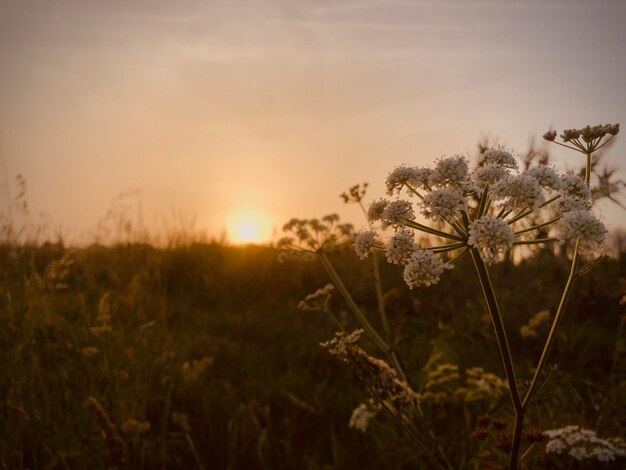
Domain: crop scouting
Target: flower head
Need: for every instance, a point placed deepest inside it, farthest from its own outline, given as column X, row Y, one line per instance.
column 498, row 156
column 364, row 241
column 489, row 174
column 584, row 226
column 545, row 176
column 424, row 269
column 396, row 212
column 400, row 246
column 376, row 209
column 401, row 176
column 574, row 186
column 520, row 192
column 491, row 236
column 443, row 204
column 450, row 171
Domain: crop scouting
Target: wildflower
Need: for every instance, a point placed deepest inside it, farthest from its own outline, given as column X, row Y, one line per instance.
column 401, row 176
column 442, row 204
column 584, row 444
column 570, row 134
column 424, row 269
column 400, row 247
column 364, row 241
column 545, row 176
column 520, row 192
column 317, row 300
column 449, row 171
column 363, row 414
column 380, row 379
column 569, row 204
column 376, row 209
column 396, row 213
column 574, row 186
column 585, row 227
column 550, row 136
column 498, row 156
column 491, row 236
column 489, row 174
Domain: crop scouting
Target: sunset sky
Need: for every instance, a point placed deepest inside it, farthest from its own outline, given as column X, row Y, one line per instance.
column 247, row 113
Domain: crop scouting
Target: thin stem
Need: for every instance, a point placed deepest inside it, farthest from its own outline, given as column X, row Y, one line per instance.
column 379, row 296
column 445, row 248
column 432, row 231
column 352, row 304
column 566, row 146
column 535, row 242
column 498, row 324
column 505, row 354
column 555, row 325
column 537, row 227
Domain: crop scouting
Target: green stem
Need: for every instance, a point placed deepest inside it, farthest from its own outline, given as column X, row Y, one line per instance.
column 432, row 231
column 535, row 242
column 537, row 227
column 505, row 354
column 352, row 304
column 553, row 329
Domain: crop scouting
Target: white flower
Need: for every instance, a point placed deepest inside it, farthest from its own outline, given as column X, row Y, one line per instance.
column 555, row 446
column 574, row 186
column 578, row 453
column 491, row 236
column 400, row 247
column 362, row 415
column 363, row 243
column 498, row 156
column 520, row 192
column 489, row 175
column 442, row 204
column 376, row 209
column 403, row 175
column 395, row 212
column 545, row 176
column 450, row 171
column 424, row 268
column 569, row 204
column 584, row 226
column 317, row 300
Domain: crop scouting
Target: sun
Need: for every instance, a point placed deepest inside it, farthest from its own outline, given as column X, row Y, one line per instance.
column 248, row 227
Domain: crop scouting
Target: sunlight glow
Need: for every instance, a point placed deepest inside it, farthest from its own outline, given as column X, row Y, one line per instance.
column 248, row 227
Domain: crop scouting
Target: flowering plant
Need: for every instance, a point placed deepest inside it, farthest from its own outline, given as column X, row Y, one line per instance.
column 485, row 211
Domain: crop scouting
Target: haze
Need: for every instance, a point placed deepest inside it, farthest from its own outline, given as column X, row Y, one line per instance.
column 219, row 109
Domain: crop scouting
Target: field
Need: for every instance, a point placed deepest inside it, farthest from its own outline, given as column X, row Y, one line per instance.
column 131, row 356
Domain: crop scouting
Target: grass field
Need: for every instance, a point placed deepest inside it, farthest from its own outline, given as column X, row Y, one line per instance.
column 199, row 357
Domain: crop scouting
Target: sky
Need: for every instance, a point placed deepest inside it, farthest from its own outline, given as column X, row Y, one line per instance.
column 247, row 113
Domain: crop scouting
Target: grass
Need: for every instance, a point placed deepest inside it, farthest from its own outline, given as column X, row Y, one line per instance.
column 261, row 393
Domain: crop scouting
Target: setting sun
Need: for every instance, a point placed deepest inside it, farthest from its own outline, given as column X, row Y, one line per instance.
column 248, row 227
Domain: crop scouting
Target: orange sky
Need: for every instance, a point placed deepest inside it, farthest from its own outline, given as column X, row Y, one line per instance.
column 220, row 109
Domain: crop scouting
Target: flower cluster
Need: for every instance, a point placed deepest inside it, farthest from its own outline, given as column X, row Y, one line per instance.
column 375, row 373
column 584, row 444
column 424, row 268
column 318, row 300
column 363, row 414
column 491, row 236
column 485, row 209
column 446, row 384
column 308, row 236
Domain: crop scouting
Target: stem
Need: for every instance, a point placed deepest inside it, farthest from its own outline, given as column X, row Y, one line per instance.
column 505, row 354
column 379, row 296
column 537, row 227
column 535, row 242
column 352, row 304
column 432, row 231
column 555, row 325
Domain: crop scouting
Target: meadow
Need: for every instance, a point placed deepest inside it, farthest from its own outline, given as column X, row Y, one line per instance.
column 131, row 356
